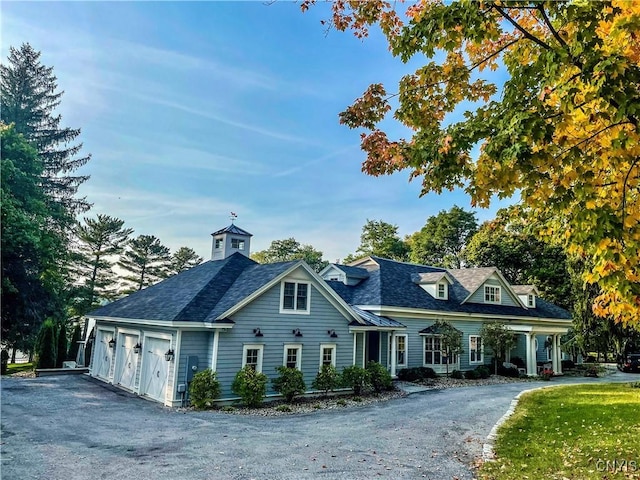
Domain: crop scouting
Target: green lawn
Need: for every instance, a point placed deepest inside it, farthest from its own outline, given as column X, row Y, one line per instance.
column 571, row 432
column 18, row 367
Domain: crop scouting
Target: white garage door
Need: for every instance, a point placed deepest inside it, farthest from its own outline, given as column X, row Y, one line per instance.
column 155, row 369
column 102, row 357
column 126, row 361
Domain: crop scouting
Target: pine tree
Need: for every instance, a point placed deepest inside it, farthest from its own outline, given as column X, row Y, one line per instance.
column 28, row 99
column 99, row 240
column 147, row 261
column 183, row 259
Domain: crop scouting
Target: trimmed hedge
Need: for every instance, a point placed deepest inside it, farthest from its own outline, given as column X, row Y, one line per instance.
column 327, row 379
column 250, row 386
column 379, row 377
column 289, row 383
column 204, row 389
column 356, row 378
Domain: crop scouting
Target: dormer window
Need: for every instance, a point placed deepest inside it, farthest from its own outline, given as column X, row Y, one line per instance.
column 237, row 243
column 442, row 291
column 491, row 294
column 531, row 301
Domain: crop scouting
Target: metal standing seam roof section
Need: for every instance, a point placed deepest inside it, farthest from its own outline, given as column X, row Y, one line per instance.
column 232, row 229
column 375, row 320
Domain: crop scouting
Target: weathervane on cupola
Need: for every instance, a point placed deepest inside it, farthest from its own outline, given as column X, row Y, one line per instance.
column 230, row 240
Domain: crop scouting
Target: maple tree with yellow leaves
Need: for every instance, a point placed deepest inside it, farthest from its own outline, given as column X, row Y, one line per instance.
column 562, row 132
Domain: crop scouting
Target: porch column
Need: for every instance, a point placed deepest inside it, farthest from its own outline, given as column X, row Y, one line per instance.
column 355, row 347
column 214, row 351
column 557, row 354
column 394, row 355
column 530, row 354
column 364, row 349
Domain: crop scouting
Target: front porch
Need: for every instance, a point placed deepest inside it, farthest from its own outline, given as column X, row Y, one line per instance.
column 532, row 347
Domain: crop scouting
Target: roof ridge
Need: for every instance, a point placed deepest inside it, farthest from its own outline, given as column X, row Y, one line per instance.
column 233, row 261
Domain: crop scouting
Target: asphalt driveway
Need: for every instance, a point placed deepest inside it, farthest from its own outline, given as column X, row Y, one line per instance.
column 71, row 427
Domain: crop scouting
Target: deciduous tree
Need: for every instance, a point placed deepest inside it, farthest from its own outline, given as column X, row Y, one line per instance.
column 381, row 239
column 443, row 238
column 290, row 249
column 562, row 132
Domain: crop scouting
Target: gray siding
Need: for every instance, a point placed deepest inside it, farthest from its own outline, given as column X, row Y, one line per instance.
column 505, row 297
column 197, row 343
column 277, row 329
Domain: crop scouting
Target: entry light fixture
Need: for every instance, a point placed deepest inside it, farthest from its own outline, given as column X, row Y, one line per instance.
column 112, row 343
column 137, row 347
column 332, row 333
column 257, row 332
column 297, row 332
column 169, row 355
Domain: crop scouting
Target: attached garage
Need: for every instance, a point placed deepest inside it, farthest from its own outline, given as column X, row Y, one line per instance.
column 126, row 360
column 103, row 355
column 155, row 368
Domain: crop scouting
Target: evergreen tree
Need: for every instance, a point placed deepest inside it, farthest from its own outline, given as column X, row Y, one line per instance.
column 183, row 259
column 147, row 260
column 33, row 278
column 28, row 98
column 61, row 349
column 46, row 345
column 99, row 240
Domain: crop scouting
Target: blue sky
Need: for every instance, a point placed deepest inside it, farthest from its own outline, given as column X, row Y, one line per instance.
column 194, row 110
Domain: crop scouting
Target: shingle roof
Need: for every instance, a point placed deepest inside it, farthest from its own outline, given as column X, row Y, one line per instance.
column 523, row 289
column 391, row 285
column 430, row 277
column 200, row 294
column 353, row 272
column 232, row 229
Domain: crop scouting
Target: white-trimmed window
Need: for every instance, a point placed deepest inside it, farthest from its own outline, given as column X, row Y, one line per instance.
column 292, row 357
column 294, row 297
column 252, row 355
column 327, row 354
column 442, row 291
column 433, row 354
column 218, row 243
column 491, row 294
column 531, row 301
column 237, row 243
column 475, row 349
column 401, row 349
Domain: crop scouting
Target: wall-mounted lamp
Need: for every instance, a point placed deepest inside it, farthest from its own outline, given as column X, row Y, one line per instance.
column 169, row 355
column 297, row 332
column 137, row 347
column 112, row 343
column 257, row 332
column 332, row 333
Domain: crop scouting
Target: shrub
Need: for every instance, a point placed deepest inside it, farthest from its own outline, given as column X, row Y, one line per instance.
column 356, row 378
column 379, row 377
column 75, row 338
column 327, row 379
column 416, row 373
column 283, row 408
column 483, row 371
column 457, row 374
column 508, row 372
column 472, row 375
column 204, row 389
column 61, row 349
column 568, row 364
column 289, row 383
column 518, row 362
column 228, row 408
column 635, row 385
column 250, row 386
column 342, row 402
column 46, row 345
column 4, row 360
